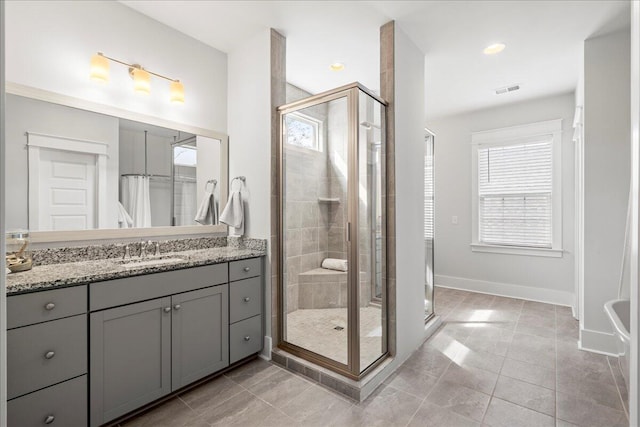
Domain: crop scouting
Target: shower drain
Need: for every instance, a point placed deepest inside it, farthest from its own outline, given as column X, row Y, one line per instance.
column 338, row 328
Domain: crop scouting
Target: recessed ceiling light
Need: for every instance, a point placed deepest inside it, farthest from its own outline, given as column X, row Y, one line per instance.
column 337, row 66
column 494, row 48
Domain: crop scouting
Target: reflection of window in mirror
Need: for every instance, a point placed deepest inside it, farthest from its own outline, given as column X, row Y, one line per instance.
column 303, row 131
column 185, row 156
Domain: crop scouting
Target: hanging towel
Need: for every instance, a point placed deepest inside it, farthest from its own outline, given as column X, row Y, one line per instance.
column 124, row 219
column 208, row 211
column 233, row 214
column 136, row 199
column 335, row 264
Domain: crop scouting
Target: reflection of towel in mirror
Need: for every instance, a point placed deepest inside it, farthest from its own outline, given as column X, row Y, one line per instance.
column 124, row 219
column 233, row 214
column 208, row 211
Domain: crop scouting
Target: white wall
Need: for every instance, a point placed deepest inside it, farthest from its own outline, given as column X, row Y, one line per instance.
column 409, row 139
column 30, row 115
column 49, row 45
column 607, row 168
column 531, row 277
column 250, row 139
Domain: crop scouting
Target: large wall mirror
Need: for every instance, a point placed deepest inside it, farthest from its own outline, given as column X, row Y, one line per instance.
column 73, row 173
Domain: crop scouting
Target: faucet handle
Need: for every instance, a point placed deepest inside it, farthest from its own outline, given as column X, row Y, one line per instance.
column 157, row 249
column 127, row 252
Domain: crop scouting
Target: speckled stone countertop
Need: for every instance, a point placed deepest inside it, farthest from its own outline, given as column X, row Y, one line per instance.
column 51, row 276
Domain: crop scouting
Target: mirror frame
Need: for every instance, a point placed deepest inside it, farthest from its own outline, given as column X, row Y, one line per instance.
column 125, row 233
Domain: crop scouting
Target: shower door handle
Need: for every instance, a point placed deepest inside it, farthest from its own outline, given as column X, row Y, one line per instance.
column 347, row 232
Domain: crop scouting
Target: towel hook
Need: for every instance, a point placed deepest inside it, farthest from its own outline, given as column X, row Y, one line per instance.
column 240, row 178
column 214, row 182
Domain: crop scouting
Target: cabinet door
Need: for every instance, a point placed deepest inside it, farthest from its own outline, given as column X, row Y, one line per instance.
column 130, row 351
column 200, row 334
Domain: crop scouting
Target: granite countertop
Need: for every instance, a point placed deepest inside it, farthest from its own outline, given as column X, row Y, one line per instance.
column 51, row 276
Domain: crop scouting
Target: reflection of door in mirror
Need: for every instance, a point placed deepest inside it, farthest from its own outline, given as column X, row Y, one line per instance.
column 185, row 161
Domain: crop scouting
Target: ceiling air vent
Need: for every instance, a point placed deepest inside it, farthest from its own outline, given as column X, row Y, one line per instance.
column 507, row 89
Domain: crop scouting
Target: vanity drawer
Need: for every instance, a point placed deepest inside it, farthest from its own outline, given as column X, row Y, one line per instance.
column 63, row 404
column 245, row 268
column 37, row 307
column 113, row 293
column 44, row 354
column 245, row 299
column 245, row 338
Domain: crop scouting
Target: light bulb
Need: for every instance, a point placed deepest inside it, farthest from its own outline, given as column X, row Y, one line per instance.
column 99, row 68
column 141, row 81
column 176, row 92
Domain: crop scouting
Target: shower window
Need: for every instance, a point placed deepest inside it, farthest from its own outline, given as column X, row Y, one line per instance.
column 303, row 131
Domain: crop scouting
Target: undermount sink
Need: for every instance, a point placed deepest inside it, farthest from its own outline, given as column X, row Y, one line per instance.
column 151, row 261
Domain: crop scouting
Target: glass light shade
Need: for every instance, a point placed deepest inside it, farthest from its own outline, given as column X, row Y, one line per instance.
column 99, row 68
column 141, row 81
column 176, row 92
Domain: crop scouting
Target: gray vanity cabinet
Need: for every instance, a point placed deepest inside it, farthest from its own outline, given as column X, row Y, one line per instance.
column 130, row 358
column 200, row 334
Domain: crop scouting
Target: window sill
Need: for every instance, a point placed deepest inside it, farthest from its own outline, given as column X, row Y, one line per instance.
column 516, row 250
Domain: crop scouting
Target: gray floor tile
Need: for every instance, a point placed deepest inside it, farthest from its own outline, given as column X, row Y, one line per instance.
column 429, row 360
column 316, row 406
column 506, row 414
column 533, row 349
column 415, row 382
column 577, row 383
column 172, row 413
column 535, row 306
column 280, row 388
column 479, row 359
column 245, row 409
column 529, row 373
column 433, row 415
column 620, row 382
column 472, row 377
column 586, row 413
column 391, row 404
column 253, row 372
column 459, row 399
column 528, row 395
column 210, row 393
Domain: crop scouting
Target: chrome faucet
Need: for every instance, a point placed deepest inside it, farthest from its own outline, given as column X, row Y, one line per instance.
column 157, row 249
column 143, row 248
column 127, row 253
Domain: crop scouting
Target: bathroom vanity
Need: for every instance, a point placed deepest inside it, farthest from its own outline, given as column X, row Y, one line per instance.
column 103, row 338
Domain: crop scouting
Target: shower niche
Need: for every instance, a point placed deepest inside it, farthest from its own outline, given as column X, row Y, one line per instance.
column 332, row 244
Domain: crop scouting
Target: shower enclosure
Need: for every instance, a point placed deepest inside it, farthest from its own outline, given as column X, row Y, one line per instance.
column 332, row 243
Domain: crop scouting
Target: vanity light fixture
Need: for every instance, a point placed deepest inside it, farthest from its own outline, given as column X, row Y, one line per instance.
column 492, row 49
column 141, row 77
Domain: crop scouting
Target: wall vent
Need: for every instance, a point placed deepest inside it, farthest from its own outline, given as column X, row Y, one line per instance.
column 507, row 89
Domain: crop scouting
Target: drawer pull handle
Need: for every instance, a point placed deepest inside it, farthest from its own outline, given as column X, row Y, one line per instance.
column 49, row 306
column 49, row 419
column 177, row 307
column 246, row 299
column 167, row 309
column 246, row 269
column 247, row 338
column 49, row 354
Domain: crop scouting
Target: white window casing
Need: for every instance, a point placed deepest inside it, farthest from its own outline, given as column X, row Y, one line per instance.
column 517, row 190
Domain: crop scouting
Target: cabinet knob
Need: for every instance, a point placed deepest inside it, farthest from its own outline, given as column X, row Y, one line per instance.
column 49, row 419
column 167, row 309
column 177, row 307
column 246, row 269
column 49, row 354
column 246, row 299
column 49, row 306
column 247, row 338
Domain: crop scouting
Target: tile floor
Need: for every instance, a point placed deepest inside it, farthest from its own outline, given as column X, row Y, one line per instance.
column 495, row 362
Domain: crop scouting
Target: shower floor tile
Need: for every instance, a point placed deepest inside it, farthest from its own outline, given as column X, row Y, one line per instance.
column 324, row 331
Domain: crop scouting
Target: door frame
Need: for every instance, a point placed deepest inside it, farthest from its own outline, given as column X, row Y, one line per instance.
column 38, row 141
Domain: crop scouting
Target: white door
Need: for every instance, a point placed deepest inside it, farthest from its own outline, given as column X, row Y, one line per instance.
column 66, row 191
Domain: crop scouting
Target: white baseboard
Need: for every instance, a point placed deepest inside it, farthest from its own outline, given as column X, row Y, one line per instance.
column 530, row 293
column 598, row 342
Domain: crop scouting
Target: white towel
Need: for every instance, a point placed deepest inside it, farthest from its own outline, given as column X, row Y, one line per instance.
column 208, row 211
column 124, row 219
column 233, row 214
column 335, row 264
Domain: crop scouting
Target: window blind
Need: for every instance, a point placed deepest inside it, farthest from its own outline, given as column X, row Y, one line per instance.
column 428, row 190
column 515, row 194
